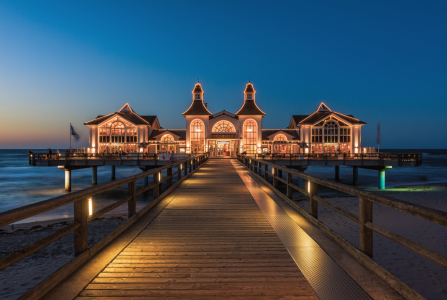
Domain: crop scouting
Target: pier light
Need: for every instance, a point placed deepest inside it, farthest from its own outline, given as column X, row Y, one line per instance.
column 308, row 186
column 90, row 206
column 273, row 171
column 181, row 166
column 159, row 176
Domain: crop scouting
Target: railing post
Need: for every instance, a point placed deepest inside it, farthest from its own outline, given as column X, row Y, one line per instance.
column 169, row 171
column 185, row 168
column 132, row 204
column 255, row 167
column 189, row 166
column 289, row 188
column 157, row 184
column 275, row 174
column 366, row 234
column 266, row 172
column 80, row 216
column 179, row 174
column 259, row 168
column 313, row 190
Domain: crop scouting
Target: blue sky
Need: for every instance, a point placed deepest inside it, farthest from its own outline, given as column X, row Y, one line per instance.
column 382, row 61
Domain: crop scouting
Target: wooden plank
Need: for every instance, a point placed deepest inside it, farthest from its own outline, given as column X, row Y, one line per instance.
column 211, row 240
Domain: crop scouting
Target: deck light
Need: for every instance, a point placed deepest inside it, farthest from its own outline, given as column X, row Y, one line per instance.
column 308, row 186
column 159, row 176
column 90, row 207
column 273, row 171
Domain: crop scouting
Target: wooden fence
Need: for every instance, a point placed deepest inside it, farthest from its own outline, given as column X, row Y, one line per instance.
column 81, row 209
column 364, row 219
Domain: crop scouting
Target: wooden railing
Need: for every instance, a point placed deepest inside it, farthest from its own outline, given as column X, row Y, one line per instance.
column 366, row 226
column 400, row 157
column 81, row 209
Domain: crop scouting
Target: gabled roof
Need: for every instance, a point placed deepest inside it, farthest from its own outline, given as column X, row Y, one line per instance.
column 323, row 112
column 250, row 108
column 299, row 118
column 223, row 113
column 150, row 119
column 181, row 133
column 127, row 113
column 266, row 133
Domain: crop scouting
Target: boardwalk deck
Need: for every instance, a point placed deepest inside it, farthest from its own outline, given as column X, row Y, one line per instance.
column 211, row 241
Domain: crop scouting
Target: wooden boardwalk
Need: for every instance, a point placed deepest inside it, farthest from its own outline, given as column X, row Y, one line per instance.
column 212, row 241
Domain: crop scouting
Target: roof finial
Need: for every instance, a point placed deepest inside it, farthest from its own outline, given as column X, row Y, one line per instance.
column 198, row 80
column 248, row 80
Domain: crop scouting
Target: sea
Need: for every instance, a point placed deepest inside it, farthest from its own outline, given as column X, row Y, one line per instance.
column 22, row 184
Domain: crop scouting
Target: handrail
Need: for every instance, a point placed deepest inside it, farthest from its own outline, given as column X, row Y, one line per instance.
column 365, row 198
column 400, row 157
column 80, row 200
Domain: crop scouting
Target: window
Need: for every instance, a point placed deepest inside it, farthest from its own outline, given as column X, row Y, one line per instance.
column 249, row 97
column 345, row 135
column 223, row 126
column 280, row 138
column 317, row 135
column 250, row 136
column 331, row 132
column 118, row 132
column 197, row 136
column 167, row 138
column 197, row 96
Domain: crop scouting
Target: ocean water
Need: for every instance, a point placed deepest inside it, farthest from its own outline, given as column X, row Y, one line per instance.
column 22, row 184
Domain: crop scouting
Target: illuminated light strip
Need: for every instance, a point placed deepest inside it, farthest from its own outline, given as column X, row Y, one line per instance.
column 322, row 103
column 98, row 118
column 127, row 105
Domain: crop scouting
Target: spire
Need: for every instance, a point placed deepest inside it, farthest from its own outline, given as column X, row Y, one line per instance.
column 197, row 106
column 249, row 107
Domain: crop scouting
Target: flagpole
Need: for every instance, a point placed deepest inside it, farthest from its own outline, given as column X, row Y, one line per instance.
column 70, row 137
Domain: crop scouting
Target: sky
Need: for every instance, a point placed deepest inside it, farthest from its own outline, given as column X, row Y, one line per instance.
column 65, row 62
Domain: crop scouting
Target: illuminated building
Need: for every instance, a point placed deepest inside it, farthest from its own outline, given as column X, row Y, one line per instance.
column 224, row 134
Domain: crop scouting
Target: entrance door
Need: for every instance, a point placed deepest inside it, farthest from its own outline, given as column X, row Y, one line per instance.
column 223, row 149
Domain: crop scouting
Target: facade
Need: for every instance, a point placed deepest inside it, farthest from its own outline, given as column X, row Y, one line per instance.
column 225, row 134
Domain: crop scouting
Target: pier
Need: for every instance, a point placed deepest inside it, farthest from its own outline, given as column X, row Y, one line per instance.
column 221, row 229
column 380, row 162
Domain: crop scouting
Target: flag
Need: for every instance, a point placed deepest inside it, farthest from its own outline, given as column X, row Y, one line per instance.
column 73, row 133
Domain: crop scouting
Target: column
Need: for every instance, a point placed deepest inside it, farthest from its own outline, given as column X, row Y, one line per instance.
column 337, row 173
column 94, row 175
column 382, row 179
column 355, row 175
column 67, row 180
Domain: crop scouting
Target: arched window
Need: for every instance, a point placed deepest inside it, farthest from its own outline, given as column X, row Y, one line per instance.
column 167, row 139
column 197, row 136
column 118, row 132
column 250, row 134
column 331, row 132
column 223, row 126
column 167, row 144
column 280, row 138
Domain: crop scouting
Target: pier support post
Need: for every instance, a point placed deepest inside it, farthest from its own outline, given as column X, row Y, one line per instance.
column 280, row 174
column 132, row 204
column 67, row 180
column 113, row 172
column 337, row 173
column 94, row 175
column 355, row 175
column 382, row 179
